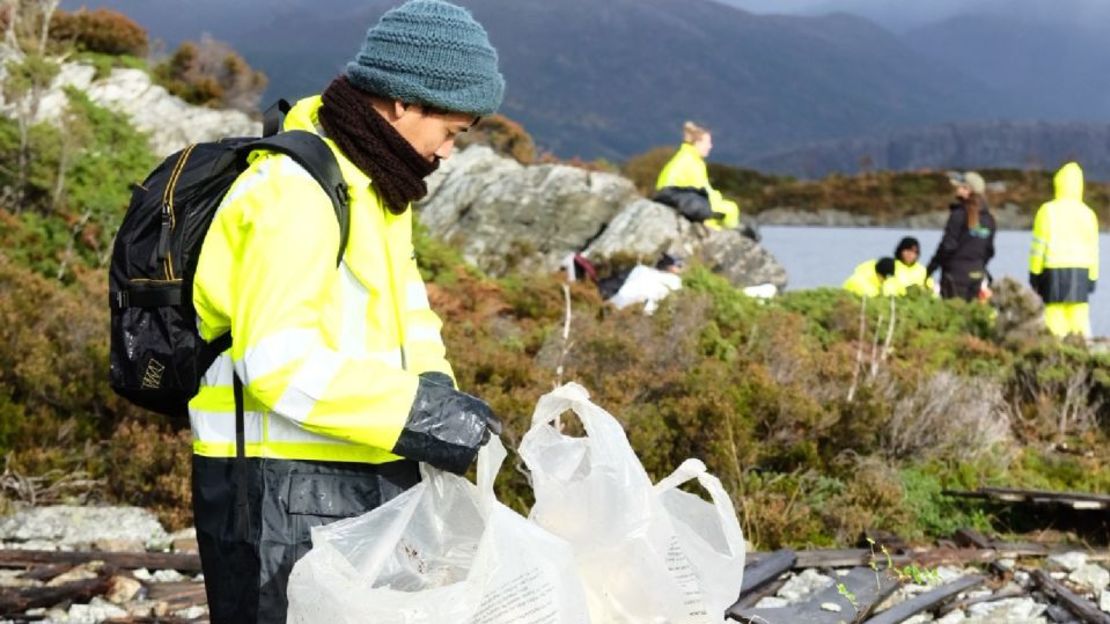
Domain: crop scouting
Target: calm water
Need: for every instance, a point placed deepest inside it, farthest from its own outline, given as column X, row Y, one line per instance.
column 821, row 256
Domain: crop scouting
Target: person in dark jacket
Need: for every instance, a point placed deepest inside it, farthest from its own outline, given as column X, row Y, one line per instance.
column 968, row 242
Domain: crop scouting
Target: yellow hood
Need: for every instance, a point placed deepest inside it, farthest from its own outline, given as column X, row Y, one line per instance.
column 1069, row 182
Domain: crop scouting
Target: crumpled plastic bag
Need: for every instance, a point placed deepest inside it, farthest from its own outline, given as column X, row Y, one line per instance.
column 444, row 551
column 647, row 554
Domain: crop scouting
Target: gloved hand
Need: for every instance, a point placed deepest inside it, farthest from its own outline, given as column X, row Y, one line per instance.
column 1091, row 286
column 445, row 427
column 1035, row 282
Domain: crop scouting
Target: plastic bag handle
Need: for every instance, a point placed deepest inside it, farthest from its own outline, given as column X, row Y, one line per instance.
column 574, row 397
column 490, row 458
column 695, row 469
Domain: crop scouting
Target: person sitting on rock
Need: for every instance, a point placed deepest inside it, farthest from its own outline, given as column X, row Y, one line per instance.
column 907, row 270
column 684, row 185
column 874, row 278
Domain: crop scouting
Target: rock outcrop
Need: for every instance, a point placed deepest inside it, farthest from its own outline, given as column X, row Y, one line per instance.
column 504, row 216
column 169, row 122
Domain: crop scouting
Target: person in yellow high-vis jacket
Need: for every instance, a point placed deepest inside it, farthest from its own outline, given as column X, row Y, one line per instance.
column 687, row 170
column 344, row 376
column 1063, row 259
column 874, row 278
column 907, row 270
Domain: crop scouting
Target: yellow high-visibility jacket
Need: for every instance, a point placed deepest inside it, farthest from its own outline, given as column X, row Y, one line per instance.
column 909, row 276
column 1063, row 259
column 865, row 282
column 687, row 169
column 329, row 356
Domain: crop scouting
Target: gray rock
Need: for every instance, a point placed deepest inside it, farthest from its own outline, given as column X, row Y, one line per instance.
column 507, row 217
column 72, row 526
column 741, row 260
column 771, row 602
column 1020, row 310
column 802, row 585
column 1007, row 610
column 1070, row 561
column 170, row 122
column 644, row 229
column 97, row 610
column 1091, row 576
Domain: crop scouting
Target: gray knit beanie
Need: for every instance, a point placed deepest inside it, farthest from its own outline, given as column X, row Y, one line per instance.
column 430, row 52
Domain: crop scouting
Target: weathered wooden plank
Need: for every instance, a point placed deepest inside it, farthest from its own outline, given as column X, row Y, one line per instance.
column 868, row 588
column 1075, row 500
column 13, row 600
column 1081, row 607
column 46, row 572
column 766, row 570
column 926, row 601
column 122, row 560
column 178, row 595
column 972, row 538
column 761, row 574
column 844, row 558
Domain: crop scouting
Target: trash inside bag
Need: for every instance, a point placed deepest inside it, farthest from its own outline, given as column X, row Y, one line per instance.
column 646, row 553
column 444, row 551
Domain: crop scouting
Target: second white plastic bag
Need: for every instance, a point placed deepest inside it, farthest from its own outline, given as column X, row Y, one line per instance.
column 646, row 554
column 444, row 551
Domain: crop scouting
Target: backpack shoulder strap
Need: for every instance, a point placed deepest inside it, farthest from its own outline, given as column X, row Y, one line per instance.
column 309, row 151
column 272, row 118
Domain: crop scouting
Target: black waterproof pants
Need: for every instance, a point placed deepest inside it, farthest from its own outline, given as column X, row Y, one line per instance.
column 246, row 566
column 961, row 284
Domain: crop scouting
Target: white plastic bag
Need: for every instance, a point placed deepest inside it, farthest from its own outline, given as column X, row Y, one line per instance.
column 646, row 554
column 444, row 551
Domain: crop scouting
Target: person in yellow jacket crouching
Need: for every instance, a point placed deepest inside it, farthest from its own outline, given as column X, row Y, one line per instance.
column 342, row 370
column 874, row 278
column 1063, row 258
column 907, row 270
column 687, row 170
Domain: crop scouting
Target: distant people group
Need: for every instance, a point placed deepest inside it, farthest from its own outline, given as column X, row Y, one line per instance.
column 1063, row 259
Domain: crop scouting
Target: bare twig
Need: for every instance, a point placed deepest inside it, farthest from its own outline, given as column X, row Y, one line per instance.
column 859, row 348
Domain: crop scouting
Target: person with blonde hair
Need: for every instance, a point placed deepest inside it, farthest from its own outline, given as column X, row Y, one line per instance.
column 684, row 183
column 1063, row 259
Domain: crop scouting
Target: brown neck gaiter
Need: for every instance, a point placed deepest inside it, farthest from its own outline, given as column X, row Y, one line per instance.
column 395, row 168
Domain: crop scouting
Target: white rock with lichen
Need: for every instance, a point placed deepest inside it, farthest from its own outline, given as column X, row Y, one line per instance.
column 1091, row 576
column 97, row 610
column 1070, row 561
column 801, row 586
column 1007, row 610
column 771, row 602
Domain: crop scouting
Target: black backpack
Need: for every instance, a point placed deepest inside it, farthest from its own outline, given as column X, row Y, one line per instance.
column 690, row 202
column 157, row 356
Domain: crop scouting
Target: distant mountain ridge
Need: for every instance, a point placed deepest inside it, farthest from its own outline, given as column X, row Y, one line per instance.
column 1017, row 145
column 612, row 78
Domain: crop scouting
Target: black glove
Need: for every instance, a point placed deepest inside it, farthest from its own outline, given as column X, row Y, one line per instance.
column 445, row 427
column 1035, row 282
column 1090, row 286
